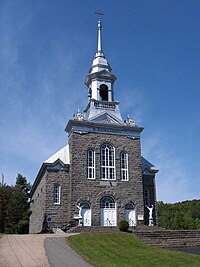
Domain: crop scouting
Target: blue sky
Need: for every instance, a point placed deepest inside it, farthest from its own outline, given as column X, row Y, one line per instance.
column 153, row 47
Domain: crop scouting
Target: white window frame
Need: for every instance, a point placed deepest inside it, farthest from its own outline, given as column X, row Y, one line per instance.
column 108, row 162
column 91, row 164
column 124, row 166
column 107, row 202
column 56, row 194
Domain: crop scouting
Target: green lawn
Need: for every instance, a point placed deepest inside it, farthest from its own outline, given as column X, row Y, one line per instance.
column 124, row 249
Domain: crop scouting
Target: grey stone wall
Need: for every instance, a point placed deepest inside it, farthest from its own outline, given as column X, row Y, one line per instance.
column 83, row 189
column 37, row 207
column 59, row 213
column 77, row 188
column 42, row 206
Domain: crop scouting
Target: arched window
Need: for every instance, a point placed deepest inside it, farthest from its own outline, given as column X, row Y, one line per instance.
column 107, row 202
column 91, row 164
column 124, row 166
column 56, row 193
column 107, row 162
column 104, row 92
column 146, row 197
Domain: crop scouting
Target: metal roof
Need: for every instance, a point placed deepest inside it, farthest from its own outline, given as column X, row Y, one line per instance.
column 62, row 154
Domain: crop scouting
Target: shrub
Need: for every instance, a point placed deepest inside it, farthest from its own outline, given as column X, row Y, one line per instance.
column 123, row 226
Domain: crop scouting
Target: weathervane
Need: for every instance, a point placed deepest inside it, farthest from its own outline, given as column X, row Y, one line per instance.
column 99, row 14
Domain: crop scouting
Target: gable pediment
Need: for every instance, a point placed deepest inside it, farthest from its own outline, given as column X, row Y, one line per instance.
column 106, row 118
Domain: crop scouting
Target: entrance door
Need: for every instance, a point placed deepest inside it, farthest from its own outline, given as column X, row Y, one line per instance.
column 108, row 211
column 86, row 214
column 130, row 214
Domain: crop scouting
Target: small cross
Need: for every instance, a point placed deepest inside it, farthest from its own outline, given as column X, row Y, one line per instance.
column 99, row 13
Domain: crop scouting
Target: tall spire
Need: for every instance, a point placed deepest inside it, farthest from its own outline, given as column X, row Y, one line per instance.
column 99, row 48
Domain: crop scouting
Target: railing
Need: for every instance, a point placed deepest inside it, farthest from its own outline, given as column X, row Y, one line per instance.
column 109, row 222
column 98, row 104
column 132, row 223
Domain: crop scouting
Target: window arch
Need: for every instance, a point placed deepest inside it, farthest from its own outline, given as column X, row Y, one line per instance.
column 107, row 162
column 146, row 196
column 107, row 202
column 124, row 166
column 56, row 193
column 90, row 164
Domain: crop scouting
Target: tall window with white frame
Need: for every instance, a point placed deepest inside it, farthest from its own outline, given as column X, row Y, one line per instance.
column 124, row 166
column 56, row 193
column 91, row 164
column 107, row 162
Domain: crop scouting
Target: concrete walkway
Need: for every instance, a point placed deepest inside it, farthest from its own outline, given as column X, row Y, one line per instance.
column 37, row 251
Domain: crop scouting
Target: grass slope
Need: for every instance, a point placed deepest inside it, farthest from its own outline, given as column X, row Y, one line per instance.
column 124, row 249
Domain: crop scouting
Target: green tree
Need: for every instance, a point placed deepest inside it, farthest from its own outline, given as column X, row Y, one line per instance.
column 14, row 207
column 182, row 215
column 5, row 193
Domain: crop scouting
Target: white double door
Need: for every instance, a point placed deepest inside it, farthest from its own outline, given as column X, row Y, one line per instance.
column 108, row 217
column 86, row 216
column 130, row 217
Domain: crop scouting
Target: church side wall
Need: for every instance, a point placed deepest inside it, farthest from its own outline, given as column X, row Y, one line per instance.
column 37, row 207
column 58, row 213
column 92, row 191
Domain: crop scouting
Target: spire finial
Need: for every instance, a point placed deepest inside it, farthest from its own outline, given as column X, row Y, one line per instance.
column 99, row 13
column 99, row 51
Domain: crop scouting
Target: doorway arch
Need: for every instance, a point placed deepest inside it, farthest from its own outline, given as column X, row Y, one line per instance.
column 86, row 214
column 108, row 211
column 130, row 214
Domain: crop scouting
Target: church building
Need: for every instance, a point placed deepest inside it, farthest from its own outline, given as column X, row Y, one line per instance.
column 99, row 178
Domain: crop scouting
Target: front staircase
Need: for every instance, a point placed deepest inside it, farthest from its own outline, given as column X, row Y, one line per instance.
column 169, row 238
column 86, row 229
column 154, row 236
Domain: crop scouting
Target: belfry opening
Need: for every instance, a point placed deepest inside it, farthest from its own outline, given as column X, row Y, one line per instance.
column 103, row 92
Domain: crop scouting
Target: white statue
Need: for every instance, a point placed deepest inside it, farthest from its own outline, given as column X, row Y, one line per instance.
column 79, row 210
column 150, row 212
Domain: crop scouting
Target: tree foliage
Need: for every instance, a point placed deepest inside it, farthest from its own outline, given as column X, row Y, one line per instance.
column 180, row 216
column 14, row 207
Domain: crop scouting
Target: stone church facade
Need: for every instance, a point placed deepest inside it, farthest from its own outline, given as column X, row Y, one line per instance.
column 99, row 177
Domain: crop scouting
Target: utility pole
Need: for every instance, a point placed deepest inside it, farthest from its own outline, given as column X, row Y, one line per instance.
column 2, row 206
column 2, row 179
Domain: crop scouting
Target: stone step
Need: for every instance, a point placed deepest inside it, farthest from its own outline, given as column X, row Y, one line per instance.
column 170, row 238
column 85, row 229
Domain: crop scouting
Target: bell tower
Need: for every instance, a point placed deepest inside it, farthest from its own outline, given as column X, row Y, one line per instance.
column 100, row 83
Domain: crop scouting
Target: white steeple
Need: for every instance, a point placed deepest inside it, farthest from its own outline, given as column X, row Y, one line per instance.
column 99, row 51
column 100, row 83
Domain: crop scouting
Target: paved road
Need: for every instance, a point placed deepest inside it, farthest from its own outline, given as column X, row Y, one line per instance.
column 61, row 255
column 193, row 250
column 37, row 251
